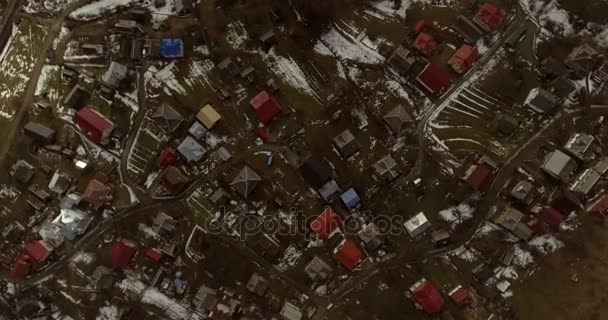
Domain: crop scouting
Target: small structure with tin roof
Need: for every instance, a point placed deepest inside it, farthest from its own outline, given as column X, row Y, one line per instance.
column 269, row 39
column 329, row 189
column 171, row 48
column 398, row 120
column 460, row 296
column 440, row 237
column 38, row 250
column 290, row 312
column 121, row 253
column 77, row 98
column 586, row 181
column 73, row 222
column 219, row 197
column 523, row 192
column 401, row 60
column 425, row 44
column 417, row 225
column 59, row 183
column 197, row 130
column 246, row 181
column 191, row 150
column 208, row 116
column 479, row 177
column 22, row 171
column 167, row 118
column 559, row 165
column 167, row 157
column 346, row 144
column 507, row 124
column 227, row 65
column 350, row 198
column 580, row 145
column 583, row 59
column 97, row 193
column 183, row 8
column 552, row 217
column 96, row 126
column 318, row 270
column 173, row 179
column 205, row 298
column 386, row 168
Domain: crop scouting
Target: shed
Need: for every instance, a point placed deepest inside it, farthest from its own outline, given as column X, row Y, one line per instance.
column 559, row 165
column 468, row 29
column 417, row 225
column 52, row 234
column 398, row 120
column 97, row 193
column 197, row 130
column 580, row 145
column 427, row 296
column 257, row 284
column 227, row 65
column 39, row 132
column 290, row 312
column 191, row 150
column 371, row 236
column 522, row 192
column 316, row 172
column 121, row 253
column 266, row 107
column 512, row 220
column 346, row 144
column 59, row 182
column 97, row 127
column 115, row 74
column 350, row 198
column 317, row 269
column 21, row 267
column 348, row 254
column 73, row 222
column 208, row 116
column 541, row 100
column 205, row 298
column 172, row 47
column 38, row 250
column 563, row 87
column 425, row 44
column 507, row 125
column 329, row 189
column 219, row 197
column 326, row 223
column 463, row 58
column 168, row 119
column 269, row 39
column 154, row 254
column 183, row 8
column 460, row 296
column 489, row 17
column 22, row 171
column 440, row 237
column 246, row 181
column 433, row 79
column 167, row 157
column 386, row 168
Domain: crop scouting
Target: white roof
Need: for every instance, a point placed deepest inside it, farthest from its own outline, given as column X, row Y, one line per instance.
column 556, row 162
column 416, row 222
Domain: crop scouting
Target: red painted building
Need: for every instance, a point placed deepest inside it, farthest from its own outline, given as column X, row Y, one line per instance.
column 433, row 79
column 154, row 254
column 121, row 253
column 21, row 267
column 427, row 297
column 348, row 254
column 463, row 58
column 167, row 157
column 95, row 125
column 552, row 217
column 489, row 17
column 38, row 250
column 461, row 296
column 265, row 106
column 326, row 223
column 425, row 43
column 174, row 179
column 479, row 177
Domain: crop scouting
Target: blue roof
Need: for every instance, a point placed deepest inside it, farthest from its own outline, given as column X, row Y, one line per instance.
column 350, row 198
column 172, row 48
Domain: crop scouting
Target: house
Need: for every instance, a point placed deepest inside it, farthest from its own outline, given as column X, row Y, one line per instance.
column 73, row 222
column 77, row 98
column 567, row 201
column 398, row 120
column 583, row 59
column 183, row 8
column 463, row 58
column 316, row 172
column 269, row 39
column 223, row 153
column 552, row 217
column 507, row 125
column 248, row 74
column 346, row 144
column 329, row 189
column 599, row 207
column 219, row 197
column 115, row 74
column 326, row 223
column 59, row 183
column 440, row 237
column 121, row 253
column 489, row 17
column 371, row 236
column 433, row 79
column 563, row 87
column 348, row 254
column 401, row 60
column 479, row 177
column 197, row 130
column 318, row 270
column 257, row 284
column 586, row 181
column 39, row 132
column 21, row 267
column 103, row 278
column 512, row 220
column 468, row 29
column 174, row 180
column 205, row 298
column 266, row 107
column 97, row 127
column 228, row 66
column 427, row 297
column 386, row 168
column 541, row 100
column 171, row 48
column 191, row 150
column 417, row 225
column 460, row 296
column 38, row 250
column 52, row 234
column 208, row 116
column 290, row 312
column 246, row 181
column 22, row 171
column 559, row 165
column 523, row 192
column 70, row 201
column 97, row 193
column 167, row 157
column 167, row 118
column 425, row 44
column 580, row 145
column 164, row 223
column 350, row 198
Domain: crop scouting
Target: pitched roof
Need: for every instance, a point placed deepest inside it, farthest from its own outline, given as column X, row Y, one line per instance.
column 479, row 177
column 425, row 43
column 326, row 223
column 167, row 157
column 266, row 107
column 316, row 172
column 174, row 179
column 540, row 100
column 551, row 216
column 346, row 144
column 96, row 192
column 398, row 119
column 208, row 116
column 463, row 58
column 93, row 122
column 38, row 250
column 121, row 253
column 350, row 198
column 348, row 254
column 489, row 16
column 427, row 296
column 191, row 150
column 21, row 267
column 169, row 118
column 116, row 72
column 433, row 79
column 245, row 181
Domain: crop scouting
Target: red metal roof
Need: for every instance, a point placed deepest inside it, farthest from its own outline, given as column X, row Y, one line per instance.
column 348, row 254
column 481, row 178
column 427, row 296
column 167, row 157
column 154, row 254
column 326, row 223
column 463, row 58
column 21, row 267
column 600, row 207
column 95, row 125
column 38, row 250
column 551, row 216
column 460, row 296
column 425, row 43
column 490, row 15
column 121, row 253
column 433, row 79
column 419, row 26
column 174, row 179
column 265, row 106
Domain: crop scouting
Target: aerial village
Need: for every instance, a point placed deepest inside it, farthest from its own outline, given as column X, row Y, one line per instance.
column 356, row 159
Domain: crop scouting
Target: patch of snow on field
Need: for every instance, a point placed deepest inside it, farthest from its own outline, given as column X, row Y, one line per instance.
column 521, row 257
column 96, row 9
column 288, row 70
column 546, row 244
column 458, row 214
column 152, row 296
column 347, row 46
column 150, row 179
column 550, row 15
column 465, row 254
column 52, row 6
column 161, row 15
column 109, row 312
column 165, row 78
column 43, row 80
column 387, row 8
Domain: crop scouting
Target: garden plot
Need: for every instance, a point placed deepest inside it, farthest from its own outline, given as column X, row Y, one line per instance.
column 199, row 203
column 145, row 148
column 16, row 65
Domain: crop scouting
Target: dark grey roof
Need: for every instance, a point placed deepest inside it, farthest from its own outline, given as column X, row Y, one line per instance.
column 167, row 116
column 398, row 119
column 39, row 131
column 316, row 172
column 346, row 144
column 246, row 181
column 541, row 100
